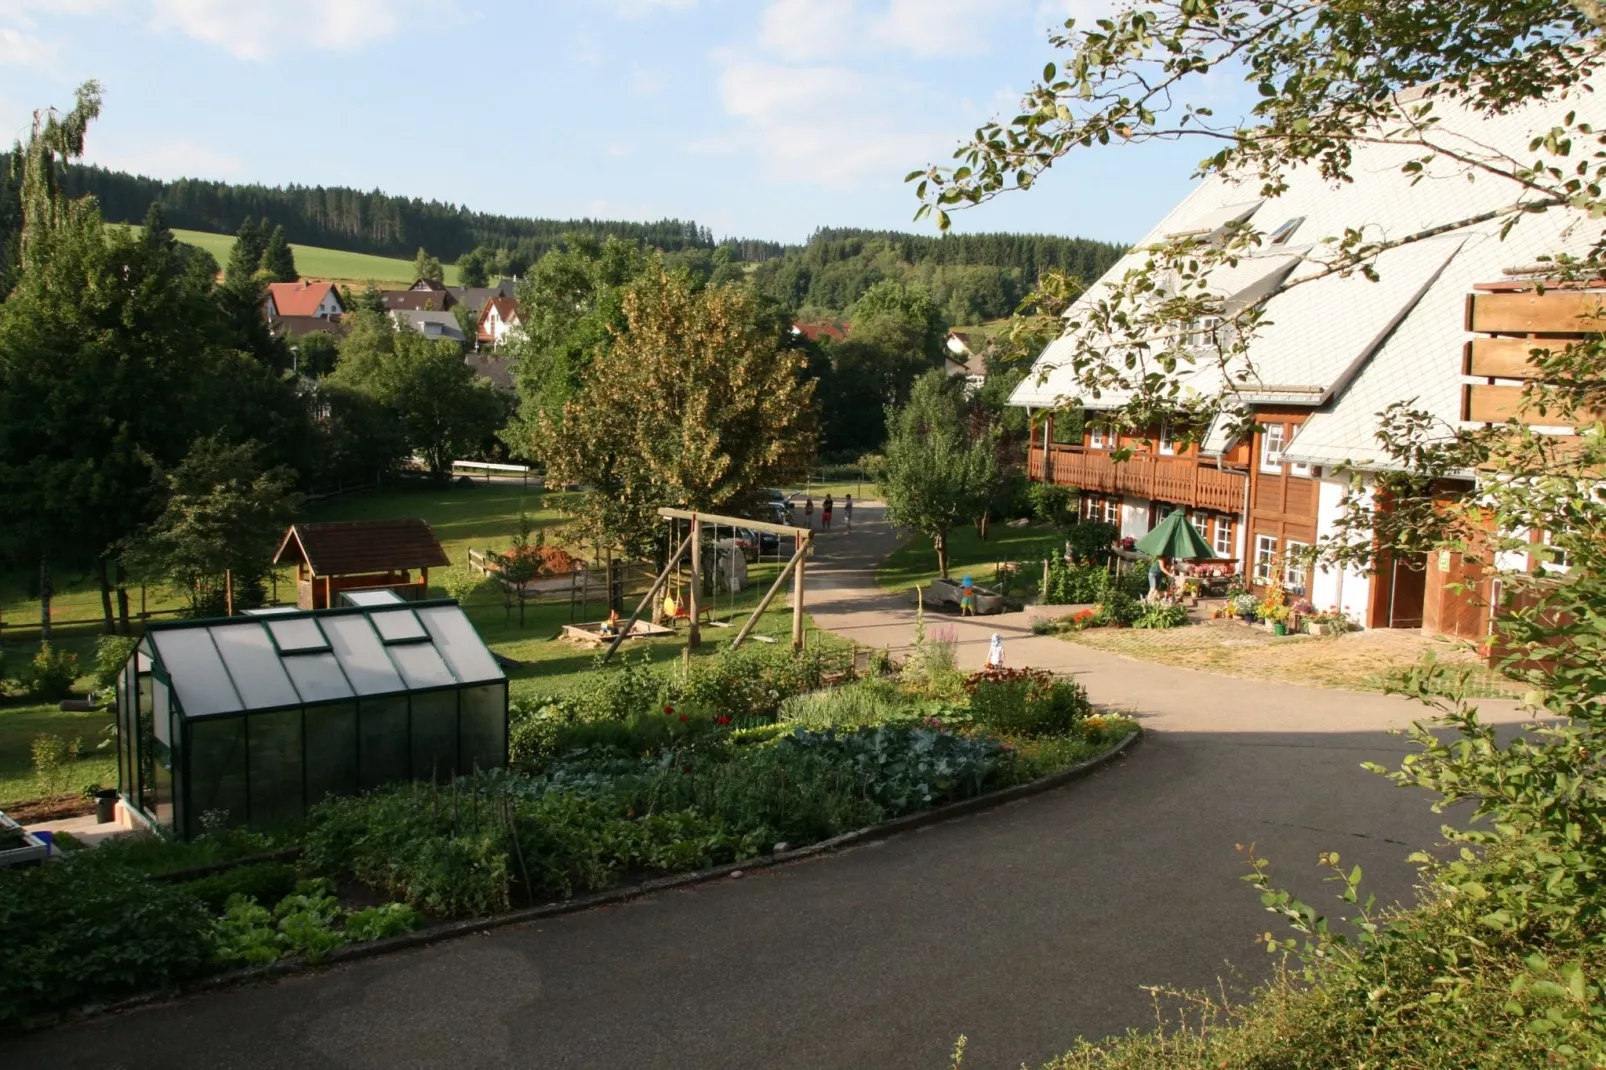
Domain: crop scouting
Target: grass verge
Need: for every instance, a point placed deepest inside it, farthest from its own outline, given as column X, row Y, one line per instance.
column 915, row 562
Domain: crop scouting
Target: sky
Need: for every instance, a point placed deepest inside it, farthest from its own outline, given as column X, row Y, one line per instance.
column 756, row 118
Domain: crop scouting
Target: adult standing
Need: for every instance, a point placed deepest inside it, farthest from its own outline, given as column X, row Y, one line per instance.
column 825, row 513
column 1159, row 566
column 808, row 511
column 847, row 510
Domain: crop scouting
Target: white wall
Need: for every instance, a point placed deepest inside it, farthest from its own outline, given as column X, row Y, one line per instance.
column 1134, row 517
column 1349, row 588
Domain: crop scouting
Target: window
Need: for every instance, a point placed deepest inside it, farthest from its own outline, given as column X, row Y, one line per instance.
column 1294, row 567
column 1202, row 331
column 1167, row 444
column 1112, row 511
column 1201, row 522
column 1095, row 436
column 1281, row 235
column 1265, row 555
column 1552, row 558
column 1297, row 469
column 1271, row 448
column 1223, row 543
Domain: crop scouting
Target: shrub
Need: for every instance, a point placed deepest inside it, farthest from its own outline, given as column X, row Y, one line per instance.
column 111, row 654
column 617, row 693
column 52, row 761
column 53, row 674
column 1051, row 503
column 749, row 683
column 1025, row 702
column 266, row 882
column 1160, row 615
column 872, row 701
column 1090, row 540
column 1118, row 609
column 72, row 932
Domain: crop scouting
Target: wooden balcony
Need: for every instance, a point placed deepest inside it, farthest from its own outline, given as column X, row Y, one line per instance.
column 1180, row 480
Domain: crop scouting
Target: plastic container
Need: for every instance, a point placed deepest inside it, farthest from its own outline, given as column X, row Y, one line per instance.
column 105, row 806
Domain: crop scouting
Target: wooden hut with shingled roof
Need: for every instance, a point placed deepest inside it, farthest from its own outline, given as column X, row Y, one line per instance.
column 359, row 555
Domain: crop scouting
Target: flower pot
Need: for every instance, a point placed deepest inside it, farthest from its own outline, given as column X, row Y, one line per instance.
column 1279, row 628
column 1316, row 629
column 105, row 806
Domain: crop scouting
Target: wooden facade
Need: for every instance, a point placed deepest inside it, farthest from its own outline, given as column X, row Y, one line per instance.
column 1158, row 470
column 1282, row 504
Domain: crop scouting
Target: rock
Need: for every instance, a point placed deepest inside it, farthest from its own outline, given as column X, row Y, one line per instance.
column 735, row 873
column 781, row 848
column 1022, row 522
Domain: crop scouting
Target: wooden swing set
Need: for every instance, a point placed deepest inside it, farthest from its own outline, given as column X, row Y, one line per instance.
column 693, row 543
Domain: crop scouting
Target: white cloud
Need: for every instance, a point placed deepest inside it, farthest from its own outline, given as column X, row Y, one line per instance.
column 631, row 9
column 175, row 158
column 933, row 28
column 808, row 29
column 18, row 49
column 818, row 125
column 260, row 29
column 17, row 10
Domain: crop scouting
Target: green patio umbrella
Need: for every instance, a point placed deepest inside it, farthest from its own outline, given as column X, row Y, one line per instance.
column 1175, row 538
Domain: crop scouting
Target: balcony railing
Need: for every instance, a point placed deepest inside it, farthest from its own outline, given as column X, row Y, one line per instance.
column 1182, row 480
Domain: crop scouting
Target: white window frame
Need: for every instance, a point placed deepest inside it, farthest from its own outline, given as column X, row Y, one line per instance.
column 1168, row 445
column 1224, row 534
column 1272, row 460
column 1201, row 523
column 1112, row 511
column 1265, row 557
column 1095, row 436
column 1202, row 331
column 1551, row 558
column 1294, row 572
column 1297, row 469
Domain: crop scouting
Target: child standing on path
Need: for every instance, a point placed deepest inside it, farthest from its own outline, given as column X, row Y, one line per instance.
column 825, row 513
column 967, row 598
column 847, row 510
column 808, row 512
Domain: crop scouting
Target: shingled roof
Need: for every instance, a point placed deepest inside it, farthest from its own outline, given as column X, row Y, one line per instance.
column 355, row 547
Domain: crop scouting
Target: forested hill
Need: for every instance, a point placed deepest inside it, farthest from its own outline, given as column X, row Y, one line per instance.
column 341, row 218
column 972, row 277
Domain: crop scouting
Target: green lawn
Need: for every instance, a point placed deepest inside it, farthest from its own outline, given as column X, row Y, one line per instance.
column 914, row 564
column 481, row 516
column 317, row 262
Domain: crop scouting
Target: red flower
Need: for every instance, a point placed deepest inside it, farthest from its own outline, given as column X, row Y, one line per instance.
column 668, row 710
column 722, row 719
column 685, row 769
column 683, row 717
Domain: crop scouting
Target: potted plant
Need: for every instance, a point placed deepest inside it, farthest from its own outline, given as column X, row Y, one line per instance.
column 1276, row 617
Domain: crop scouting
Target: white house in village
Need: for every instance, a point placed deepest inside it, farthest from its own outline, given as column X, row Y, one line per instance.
column 498, row 319
column 1331, row 355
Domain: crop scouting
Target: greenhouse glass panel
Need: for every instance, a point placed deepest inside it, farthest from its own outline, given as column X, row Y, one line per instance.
column 421, row 666
column 462, row 647
column 249, row 656
column 216, row 769
column 483, row 732
column 362, row 655
column 275, row 767
column 435, row 735
column 318, row 677
column 383, row 749
column 161, row 713
column 198, row 674
column 297, row 635
column 398, row 626
column 162, row 784
column 331, row 752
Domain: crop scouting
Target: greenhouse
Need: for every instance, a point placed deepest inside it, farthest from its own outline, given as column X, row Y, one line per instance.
column 250, row 720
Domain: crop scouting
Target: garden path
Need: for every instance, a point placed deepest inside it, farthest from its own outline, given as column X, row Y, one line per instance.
column 1023, row 927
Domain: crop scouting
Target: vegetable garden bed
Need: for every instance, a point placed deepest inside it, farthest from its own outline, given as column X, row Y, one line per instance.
column 648, row 779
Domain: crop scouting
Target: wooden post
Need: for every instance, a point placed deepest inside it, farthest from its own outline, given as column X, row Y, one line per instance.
column 694, row 635
column 228, row 592
column 797, row 592
column 652, row 592
column 764, row 603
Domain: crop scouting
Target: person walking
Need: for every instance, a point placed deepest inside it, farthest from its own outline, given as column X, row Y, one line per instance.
column 847, row 510
column 808, row 512
column 825, row 513
column 967, row 597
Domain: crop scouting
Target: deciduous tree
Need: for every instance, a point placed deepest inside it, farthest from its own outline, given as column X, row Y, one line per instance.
column 428, row 267
column 934, row 476
column 696, row 403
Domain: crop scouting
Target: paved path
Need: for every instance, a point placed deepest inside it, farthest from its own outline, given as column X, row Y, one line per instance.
column 1022, row 927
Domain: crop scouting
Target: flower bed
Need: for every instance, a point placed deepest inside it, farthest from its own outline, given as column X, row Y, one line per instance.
column 651, row 772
